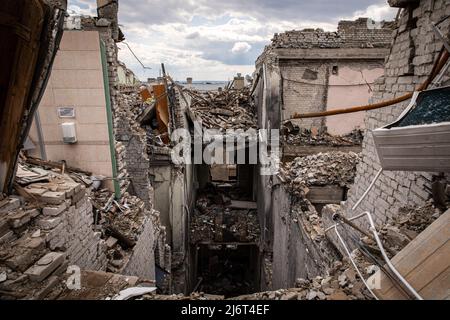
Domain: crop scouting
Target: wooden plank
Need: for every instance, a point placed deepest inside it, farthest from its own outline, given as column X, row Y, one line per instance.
column 424, row 263
column 235, row 204
column 301, row 150
column 326, row 194
column 18, row 59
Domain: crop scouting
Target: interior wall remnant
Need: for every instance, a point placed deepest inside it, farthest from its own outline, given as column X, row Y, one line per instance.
column 287, row 250
column 352, row 85
column 161, row 183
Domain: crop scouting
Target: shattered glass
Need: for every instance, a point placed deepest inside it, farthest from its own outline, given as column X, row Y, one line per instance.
column 431, row 107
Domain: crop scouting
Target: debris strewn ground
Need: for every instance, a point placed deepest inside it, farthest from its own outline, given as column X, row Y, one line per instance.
column 330, row 168
column 407, row 224
column 228, row 109
column 215, row 219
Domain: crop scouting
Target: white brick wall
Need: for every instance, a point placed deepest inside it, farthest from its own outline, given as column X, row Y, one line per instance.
column 395, row 188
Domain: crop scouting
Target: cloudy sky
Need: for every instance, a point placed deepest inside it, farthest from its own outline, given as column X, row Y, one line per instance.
column 215, row 39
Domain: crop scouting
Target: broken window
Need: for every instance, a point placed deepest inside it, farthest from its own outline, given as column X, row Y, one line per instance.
column 309, row 74
column 335, row 70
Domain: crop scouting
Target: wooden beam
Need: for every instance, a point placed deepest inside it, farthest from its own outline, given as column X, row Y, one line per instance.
column 326, row 194
column 424, row 263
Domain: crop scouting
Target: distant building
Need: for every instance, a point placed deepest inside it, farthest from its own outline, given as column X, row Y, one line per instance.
column 126, row 76
column 312, row 70
column 238, row 82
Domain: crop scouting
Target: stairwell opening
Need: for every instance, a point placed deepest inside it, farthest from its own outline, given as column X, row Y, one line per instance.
column 224, row 231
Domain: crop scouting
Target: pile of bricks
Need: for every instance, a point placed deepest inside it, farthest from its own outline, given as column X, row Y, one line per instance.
column 330, row 168
column 350, row 34
column 43, row 231
column 414, row 50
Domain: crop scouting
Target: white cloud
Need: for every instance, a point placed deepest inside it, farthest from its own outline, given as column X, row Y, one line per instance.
column 82, row 7
column 377, row 12
column 76, row 10
column 241, row 47
column 213, row 40
column 193, row 35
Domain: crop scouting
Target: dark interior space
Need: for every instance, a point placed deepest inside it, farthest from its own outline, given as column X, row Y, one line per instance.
column 227, row 269
column 224, row 231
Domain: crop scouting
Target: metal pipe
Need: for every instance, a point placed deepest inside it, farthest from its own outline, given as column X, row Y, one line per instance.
column 388, row 262
column 349, row 219
column 383, row 252
column 439, row 64
column 353, row 262
column 368, row 189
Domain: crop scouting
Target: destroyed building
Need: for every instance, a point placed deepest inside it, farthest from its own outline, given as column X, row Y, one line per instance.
column 122, row 214
column 312, row 70
column 416, row 48
column 79, row 212
column 297, row 223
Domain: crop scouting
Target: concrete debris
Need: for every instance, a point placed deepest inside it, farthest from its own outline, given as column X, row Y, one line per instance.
column 331, row 168
column 213, row 219
column 228, row 109
column 350, row 34
column 341, row 283
column 60, row 221
column 193, row 296
column 406, row 225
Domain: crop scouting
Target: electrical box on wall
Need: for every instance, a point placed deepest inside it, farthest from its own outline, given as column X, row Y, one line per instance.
column 69, row 133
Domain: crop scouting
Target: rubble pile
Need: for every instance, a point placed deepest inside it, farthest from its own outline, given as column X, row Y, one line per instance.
column 45, row 227
column 306, row 213
column 350, row 34
column 407, row 224
column 121, row 223
column 222, row 223
column 330, row 168
column 304, row 136
column 130, row 107
column 192, row 296
column 341, row 283
column 214, row 220
column 228, row 109
column 118, row 222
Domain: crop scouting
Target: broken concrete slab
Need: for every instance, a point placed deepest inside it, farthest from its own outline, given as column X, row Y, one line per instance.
column 53, row 197
column 45, row 266
column 54, row 210
column 49, row 223
column 18, row 219
column 111, row 242
column 7, row 237
column 9, row 204
column 4, row 226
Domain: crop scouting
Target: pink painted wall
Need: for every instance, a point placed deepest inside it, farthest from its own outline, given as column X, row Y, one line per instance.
column 346, row 89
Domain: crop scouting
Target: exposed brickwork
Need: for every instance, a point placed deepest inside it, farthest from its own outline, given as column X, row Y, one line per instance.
column 306, row 60
column 142, row 261
column 304, row 95
column 413, row 53
column 350, row 34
